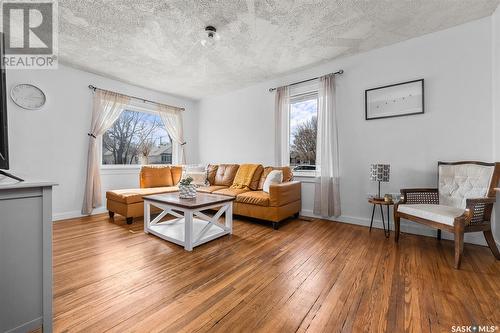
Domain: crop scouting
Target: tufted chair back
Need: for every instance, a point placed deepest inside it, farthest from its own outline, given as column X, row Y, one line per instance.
column 464, row 180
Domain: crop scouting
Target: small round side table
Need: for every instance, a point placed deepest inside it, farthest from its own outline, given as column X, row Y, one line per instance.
column 381, row 203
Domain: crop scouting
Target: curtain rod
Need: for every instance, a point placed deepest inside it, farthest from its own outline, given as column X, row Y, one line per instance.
column 340, row 71
column 137, row 98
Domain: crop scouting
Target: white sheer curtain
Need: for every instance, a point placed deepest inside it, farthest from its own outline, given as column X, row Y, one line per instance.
column 281, row 119
column 107, row 107
column 172, row 120
column 327, row 194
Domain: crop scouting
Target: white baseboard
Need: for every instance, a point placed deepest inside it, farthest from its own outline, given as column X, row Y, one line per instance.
column 407, row 227
column 76, row 214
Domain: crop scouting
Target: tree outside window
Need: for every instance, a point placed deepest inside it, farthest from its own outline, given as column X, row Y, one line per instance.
column 303, row 132
column 136, row 138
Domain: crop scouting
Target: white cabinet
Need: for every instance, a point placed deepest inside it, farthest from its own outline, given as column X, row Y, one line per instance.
column 26, row 257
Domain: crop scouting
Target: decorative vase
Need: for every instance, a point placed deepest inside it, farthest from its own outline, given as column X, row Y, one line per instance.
column 187, row 191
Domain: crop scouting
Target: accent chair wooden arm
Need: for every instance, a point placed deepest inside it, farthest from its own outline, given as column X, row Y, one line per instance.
column 478, row 210
column 419, row 196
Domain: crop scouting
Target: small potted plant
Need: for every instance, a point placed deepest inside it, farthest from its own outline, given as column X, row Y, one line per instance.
column 187, row 190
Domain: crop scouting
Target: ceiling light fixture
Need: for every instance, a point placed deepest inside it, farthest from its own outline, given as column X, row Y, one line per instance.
column 211, row 36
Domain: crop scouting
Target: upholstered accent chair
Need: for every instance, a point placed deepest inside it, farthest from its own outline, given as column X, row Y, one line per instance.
column 462, row 203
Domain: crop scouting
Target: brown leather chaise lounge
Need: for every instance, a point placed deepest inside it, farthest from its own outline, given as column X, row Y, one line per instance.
column 282, row 201
column 152, row 180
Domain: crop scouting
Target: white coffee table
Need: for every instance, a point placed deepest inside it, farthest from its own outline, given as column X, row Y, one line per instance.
column 190, row 227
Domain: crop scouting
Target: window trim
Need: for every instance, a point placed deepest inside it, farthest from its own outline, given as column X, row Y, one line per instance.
column 302, row 97
column 135, row 107
column 306, row 174
column 297, row 98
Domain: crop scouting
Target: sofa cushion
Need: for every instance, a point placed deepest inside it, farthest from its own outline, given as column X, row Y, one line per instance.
column 232, row 192
column 197, row 172
column 130, row 196
column 438, row 213
column 287, row 175
column 199, row 178
column 160, row 175
column 258, row 198
column 274, row 177
column 210, row 189
column 225, row 174
column 176, row 171
column 155, row 176
column 211, row 172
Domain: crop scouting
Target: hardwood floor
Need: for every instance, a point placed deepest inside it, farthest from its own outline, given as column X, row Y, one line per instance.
column 316, row 276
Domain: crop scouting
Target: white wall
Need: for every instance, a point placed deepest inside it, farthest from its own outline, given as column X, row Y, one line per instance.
column 51, row 144
column 495, row 28
column 457, row 125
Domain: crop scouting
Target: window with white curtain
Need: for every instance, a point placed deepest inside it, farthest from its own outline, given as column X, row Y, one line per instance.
column 303, row 123
column 138, row 137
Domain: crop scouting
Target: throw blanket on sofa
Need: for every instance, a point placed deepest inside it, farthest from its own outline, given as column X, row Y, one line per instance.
column 244, row 175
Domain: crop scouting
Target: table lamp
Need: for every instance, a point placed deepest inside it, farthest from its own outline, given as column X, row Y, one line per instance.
column 380, row 173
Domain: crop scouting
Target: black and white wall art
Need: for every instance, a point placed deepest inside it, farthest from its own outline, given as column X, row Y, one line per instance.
column 395, row 100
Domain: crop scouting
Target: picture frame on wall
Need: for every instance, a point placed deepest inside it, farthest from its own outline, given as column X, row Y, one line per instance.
column 395, row 100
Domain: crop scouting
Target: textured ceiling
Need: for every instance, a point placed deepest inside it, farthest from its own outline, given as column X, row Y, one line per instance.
column 156, row 43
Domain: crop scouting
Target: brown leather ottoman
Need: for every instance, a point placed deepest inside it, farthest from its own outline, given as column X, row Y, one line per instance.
column 129, row 203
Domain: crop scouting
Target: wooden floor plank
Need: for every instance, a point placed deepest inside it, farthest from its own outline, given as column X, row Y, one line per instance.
column 308, row 276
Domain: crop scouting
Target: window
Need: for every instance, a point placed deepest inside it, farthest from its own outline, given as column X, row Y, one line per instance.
column 303, row 129
column 137, row 138
column 166, row 158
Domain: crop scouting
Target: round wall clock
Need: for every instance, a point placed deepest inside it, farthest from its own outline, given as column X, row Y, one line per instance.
column 28, row 96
